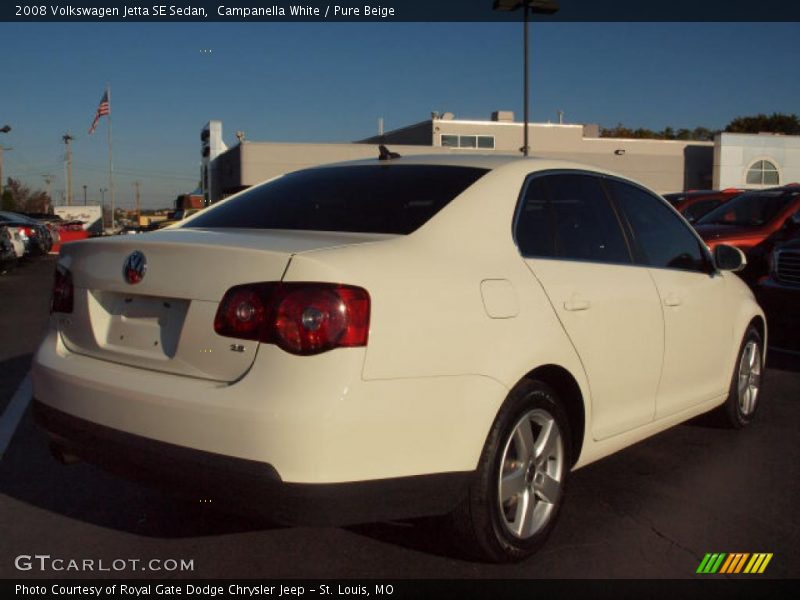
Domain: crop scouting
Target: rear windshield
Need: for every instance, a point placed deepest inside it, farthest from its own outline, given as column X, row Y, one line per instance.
column 394, row 199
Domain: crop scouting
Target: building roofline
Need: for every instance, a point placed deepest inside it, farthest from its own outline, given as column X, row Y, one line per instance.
column 507, row 123
column 393, row 131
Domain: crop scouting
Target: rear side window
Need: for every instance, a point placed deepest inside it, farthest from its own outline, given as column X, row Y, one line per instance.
column 396, row 199
column 752, row 209
column 663, row 239
column 569, row 216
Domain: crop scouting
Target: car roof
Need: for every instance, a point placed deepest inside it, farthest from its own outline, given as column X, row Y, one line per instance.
column 15, row 216
column 478, row 161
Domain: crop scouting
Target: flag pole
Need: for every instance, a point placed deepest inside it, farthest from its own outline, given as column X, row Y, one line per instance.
column 110, row 158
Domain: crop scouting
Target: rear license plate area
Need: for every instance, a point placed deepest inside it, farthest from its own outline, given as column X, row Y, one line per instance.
column 145, row 324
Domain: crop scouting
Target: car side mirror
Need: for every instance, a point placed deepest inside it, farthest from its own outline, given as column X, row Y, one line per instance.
column 729, row 258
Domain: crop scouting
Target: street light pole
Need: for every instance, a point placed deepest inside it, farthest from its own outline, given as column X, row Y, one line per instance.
column 526, row 101
column 67, row 139
column 3, row 129
column 543, row 7
column 103, row 206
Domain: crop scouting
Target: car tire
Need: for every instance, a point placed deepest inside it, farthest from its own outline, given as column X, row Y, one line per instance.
column 513, row 501
column 743, row 395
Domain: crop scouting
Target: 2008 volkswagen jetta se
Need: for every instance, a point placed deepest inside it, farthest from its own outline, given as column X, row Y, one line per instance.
column 447, row 335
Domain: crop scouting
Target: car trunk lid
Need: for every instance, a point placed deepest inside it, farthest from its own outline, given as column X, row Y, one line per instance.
column 165, row 322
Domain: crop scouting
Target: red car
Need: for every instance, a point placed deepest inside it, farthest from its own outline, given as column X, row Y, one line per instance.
column 753, row 222
column 695, row 204
column 69, row 231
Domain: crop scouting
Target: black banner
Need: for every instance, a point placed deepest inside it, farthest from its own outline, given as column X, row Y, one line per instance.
column 744, row 589
column 393, row 10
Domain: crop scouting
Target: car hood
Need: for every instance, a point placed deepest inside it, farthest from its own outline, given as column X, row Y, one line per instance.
column 718, row 231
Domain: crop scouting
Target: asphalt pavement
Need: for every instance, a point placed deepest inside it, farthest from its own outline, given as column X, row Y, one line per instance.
column 651, row 511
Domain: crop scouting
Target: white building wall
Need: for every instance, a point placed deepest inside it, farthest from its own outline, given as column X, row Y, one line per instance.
column 735, row 153
column 211, row 146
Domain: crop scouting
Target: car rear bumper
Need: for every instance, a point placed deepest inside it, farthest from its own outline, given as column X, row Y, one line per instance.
column 244, row 485
column 298, row 423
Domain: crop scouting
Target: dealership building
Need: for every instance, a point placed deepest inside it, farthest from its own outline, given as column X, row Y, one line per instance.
column 731, row 160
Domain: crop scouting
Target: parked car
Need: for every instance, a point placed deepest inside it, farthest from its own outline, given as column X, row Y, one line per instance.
column 16, row 241
column 54, row 228
column 8, row 256
column 177, row 216
column 695, row 204
column 779, row 294
column 34, row 234
column 130, row 230
column 753, row 222
column 396, row 338
column 70, row 231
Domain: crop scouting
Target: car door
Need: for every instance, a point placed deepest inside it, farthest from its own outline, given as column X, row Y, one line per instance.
column 572, row 240
column 694, row 300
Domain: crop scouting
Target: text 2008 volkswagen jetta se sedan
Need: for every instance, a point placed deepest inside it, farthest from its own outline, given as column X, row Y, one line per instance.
column 396, row 338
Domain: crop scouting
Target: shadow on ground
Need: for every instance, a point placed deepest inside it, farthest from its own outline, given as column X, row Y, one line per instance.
column 783, row 361
column 30, row 474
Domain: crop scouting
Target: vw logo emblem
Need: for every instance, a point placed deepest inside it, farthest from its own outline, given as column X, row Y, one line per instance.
column 134, row 268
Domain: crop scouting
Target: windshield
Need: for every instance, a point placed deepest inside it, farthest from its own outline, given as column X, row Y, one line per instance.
column 750, row 209
column 395, row 199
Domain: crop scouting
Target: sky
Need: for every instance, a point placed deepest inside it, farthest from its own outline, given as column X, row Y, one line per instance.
column 331, row 82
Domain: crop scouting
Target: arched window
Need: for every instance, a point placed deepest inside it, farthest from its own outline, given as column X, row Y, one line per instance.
column 763, row 172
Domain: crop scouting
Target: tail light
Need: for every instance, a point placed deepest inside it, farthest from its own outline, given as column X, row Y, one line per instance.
column 63, row 291
column 301, row 318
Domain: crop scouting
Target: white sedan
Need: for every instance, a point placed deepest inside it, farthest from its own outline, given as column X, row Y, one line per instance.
column 446, row 335
column 16, row 241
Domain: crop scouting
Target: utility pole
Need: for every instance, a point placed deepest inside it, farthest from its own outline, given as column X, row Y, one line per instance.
column 67, row 139
column 84, row 194
column 138, row 208
column 1, row 169
column 3, row 129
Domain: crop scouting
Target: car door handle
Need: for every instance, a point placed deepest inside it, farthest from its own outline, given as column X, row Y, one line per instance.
column 577, row 303
column 672, row 300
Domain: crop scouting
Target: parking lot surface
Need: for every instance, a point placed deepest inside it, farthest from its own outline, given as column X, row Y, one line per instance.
column 653, row 510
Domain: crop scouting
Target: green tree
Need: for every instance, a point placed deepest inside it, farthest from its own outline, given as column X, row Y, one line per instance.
column 19, row 196
column 645, row 134
column 774, row 123
column 699, row 134
column 620, row 131
column 703, row 134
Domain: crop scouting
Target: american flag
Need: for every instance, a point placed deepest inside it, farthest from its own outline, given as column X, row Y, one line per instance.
column 102, row 110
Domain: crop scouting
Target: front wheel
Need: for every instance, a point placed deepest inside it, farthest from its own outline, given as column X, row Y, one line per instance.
column 515, row 497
